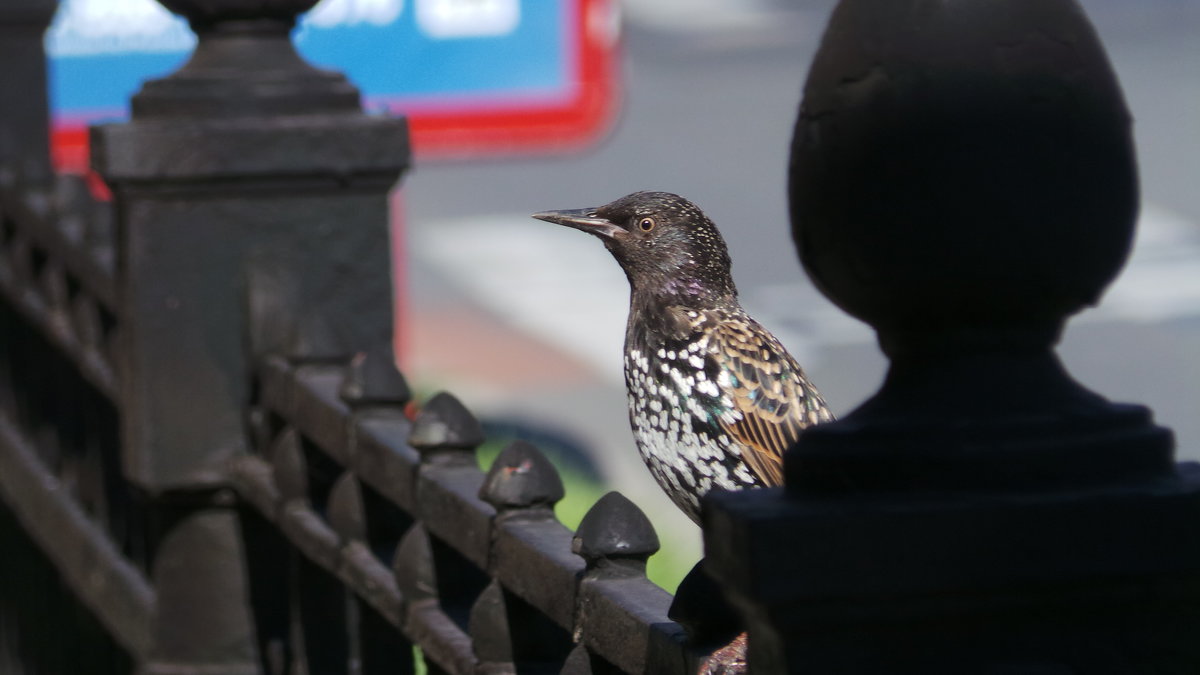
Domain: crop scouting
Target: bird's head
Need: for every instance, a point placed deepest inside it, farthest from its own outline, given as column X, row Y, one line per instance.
column 665, row 244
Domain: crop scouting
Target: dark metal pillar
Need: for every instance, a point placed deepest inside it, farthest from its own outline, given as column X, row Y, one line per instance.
column 963, row 179
column 24, row 116
column 252, row 199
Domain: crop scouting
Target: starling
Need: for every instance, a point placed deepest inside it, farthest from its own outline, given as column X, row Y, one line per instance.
column 714, row 398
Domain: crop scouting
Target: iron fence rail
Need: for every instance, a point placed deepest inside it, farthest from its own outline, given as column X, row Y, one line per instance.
column 56, row 268
column 60, row 477
column 89, row 561
column 463, row 563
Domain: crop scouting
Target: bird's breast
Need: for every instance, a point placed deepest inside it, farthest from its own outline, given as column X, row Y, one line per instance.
column 675, row 406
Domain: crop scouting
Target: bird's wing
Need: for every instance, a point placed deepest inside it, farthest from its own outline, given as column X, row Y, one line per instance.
column 769, row 390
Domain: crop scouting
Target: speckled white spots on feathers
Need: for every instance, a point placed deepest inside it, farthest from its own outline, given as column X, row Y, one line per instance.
column 699, row 400
column 677, row 449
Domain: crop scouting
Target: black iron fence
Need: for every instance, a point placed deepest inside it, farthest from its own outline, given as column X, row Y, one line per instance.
column 75, row 541
column 204, row 458
column 369, row 533
column 206, row 465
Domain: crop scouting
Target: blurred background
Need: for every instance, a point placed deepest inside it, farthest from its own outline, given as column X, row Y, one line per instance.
column 524, row 321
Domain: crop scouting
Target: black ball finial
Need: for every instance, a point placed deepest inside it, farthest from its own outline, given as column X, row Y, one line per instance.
column 962, row 165
column 963, row 179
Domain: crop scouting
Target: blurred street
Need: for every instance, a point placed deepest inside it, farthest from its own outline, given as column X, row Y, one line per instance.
column 525, row 320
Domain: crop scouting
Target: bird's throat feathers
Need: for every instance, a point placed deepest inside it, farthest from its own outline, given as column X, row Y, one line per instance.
column 662, row 311
column 652, row 290
column 666, row 275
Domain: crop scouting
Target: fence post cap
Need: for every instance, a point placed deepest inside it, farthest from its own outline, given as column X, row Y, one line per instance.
column 615, row 528
column 207, row 11
column 521, row 477
column 444, row 423
column 244, row 64
column 373, row 379
column 960, row 165
column 963, row 179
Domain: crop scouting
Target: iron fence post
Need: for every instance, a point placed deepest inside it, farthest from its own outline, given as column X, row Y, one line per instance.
column 252, row 200
column 963, row 179
column 24, row 117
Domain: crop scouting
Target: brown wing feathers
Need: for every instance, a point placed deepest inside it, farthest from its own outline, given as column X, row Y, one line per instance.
column 770, row 391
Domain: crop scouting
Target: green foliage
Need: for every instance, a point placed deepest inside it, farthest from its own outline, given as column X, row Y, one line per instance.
column 419, row 661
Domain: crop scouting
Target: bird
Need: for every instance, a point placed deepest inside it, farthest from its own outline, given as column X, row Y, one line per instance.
column 714, row 398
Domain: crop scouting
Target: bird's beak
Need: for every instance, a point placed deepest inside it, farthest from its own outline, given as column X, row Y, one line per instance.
column 585, row 220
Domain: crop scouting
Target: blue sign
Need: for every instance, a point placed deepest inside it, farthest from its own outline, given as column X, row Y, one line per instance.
column 405, row 55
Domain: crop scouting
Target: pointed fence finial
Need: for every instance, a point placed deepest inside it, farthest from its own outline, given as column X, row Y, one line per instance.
column 413, row 566
column 444, row 423
column 491, row 635
column 521, row 478
column 345, row 508
column 290, row 465
column 579, row 662
column 373, row 379
column 615, row 531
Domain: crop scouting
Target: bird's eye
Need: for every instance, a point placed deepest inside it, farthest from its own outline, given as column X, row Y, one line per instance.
column 646, row 224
